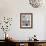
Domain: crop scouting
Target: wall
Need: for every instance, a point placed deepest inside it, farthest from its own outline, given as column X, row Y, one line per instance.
column 13, row 8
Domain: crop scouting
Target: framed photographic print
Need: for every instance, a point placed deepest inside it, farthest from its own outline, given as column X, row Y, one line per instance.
column 26, row 20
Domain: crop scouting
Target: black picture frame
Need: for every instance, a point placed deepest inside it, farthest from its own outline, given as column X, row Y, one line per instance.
column 26, row 20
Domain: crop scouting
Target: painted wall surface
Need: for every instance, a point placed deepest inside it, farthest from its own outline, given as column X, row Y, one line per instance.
column 13, row 8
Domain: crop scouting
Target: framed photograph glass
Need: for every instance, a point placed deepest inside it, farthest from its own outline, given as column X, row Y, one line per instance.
column 26, row 20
